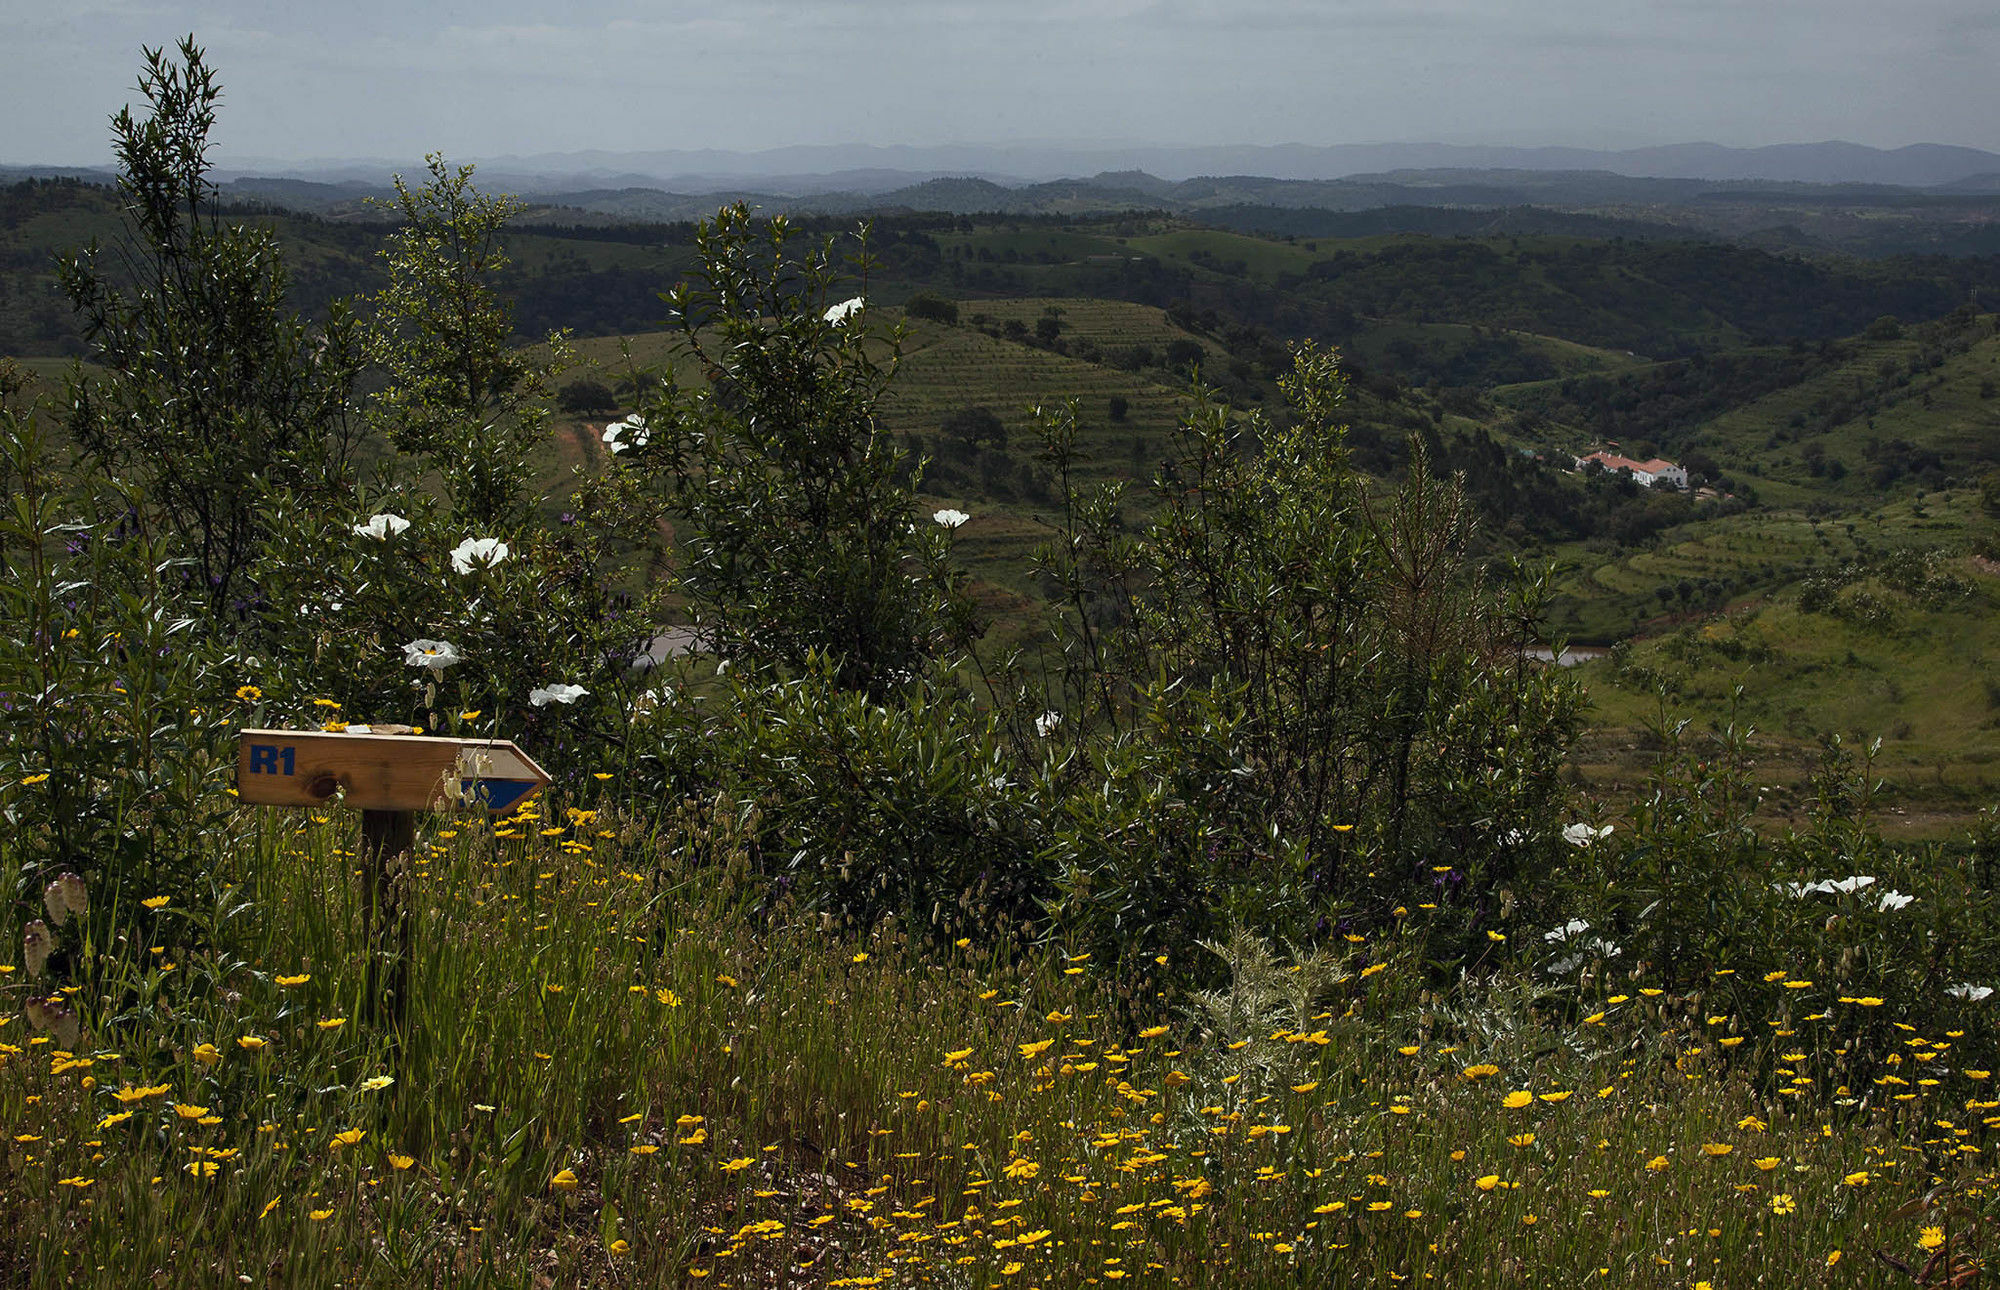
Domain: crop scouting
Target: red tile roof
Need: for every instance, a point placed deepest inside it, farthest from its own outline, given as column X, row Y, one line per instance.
column 1612, row 461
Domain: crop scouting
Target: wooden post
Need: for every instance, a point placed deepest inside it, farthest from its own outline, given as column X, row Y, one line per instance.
column 387, row 838
column 389, row 778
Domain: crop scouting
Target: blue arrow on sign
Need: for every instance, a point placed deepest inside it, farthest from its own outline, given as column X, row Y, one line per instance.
column 497, row 776
column 495, row 794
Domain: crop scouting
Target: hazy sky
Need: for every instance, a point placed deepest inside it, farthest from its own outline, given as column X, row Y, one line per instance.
column 394, row 78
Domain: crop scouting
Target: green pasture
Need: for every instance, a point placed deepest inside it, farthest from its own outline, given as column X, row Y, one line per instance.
column 1925, row 680
column 1263, row 258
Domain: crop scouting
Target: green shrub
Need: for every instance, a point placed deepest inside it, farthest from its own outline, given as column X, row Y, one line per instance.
column 585, row 396
column 213, row 395
column 459, row 395
column 117, row 693
column 917, row 809
column 792, row 505
column 1810, row 931
column 1184, row 355
column 1292, row 702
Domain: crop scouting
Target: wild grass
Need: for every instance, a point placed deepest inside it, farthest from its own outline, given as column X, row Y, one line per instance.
column 623, row 1064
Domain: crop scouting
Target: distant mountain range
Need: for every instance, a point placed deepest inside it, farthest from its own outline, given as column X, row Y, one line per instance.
column 1128, row 190
column 801, row 171
column 1924, row 199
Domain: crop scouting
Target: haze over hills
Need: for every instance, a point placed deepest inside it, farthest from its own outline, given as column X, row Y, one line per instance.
column 868, row 169
column 1854, row 213
column 786, row 169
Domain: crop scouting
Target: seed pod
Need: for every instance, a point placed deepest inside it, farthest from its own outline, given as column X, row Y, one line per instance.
column 64, row 1022
column 54, row 1014
column 65, row 896
column 75, row 894
column 36, row 946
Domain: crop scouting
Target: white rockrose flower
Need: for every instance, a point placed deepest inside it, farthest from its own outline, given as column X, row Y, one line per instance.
column 1574, row 928
column 435, row 655
column 950, row 518
column 478, row 553
column 632, row 432
column 1839, row 887
column 557, row 693
column 381, row 526
column 846, row 309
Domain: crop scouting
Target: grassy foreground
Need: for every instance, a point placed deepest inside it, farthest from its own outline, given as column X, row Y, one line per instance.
column 619, row 1069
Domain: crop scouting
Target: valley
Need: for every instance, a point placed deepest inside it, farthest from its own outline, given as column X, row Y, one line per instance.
column 1837, row 413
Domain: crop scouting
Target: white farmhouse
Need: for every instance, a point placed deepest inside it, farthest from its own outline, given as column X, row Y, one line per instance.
column 1649, row 473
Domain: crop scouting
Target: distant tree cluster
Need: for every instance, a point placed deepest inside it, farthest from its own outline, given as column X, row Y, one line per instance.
column 932, row 307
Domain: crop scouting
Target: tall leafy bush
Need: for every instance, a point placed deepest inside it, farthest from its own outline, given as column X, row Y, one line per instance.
column 1297, row 700
column 792, row 506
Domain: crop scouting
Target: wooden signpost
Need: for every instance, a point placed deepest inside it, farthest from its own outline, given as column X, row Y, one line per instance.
column 382, row 772
column 388, row 778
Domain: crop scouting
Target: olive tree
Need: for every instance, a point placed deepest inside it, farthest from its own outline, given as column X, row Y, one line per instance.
column 212, row 393
column 1292, row 696
column 461, row 394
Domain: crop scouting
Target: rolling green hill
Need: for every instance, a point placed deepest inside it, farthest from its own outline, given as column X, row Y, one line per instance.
column 1886, row 645
column 1469, row 355
column 1830, row 436
column 1915, row 410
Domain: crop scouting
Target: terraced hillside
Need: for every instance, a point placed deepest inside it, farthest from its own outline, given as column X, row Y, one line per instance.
column 1911, row 411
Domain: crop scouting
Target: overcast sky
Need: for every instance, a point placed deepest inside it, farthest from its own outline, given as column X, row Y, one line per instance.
column 482, row 78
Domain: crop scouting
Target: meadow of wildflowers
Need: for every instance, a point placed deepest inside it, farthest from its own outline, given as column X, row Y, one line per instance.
column 1249, row 935
column 621, row 1067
